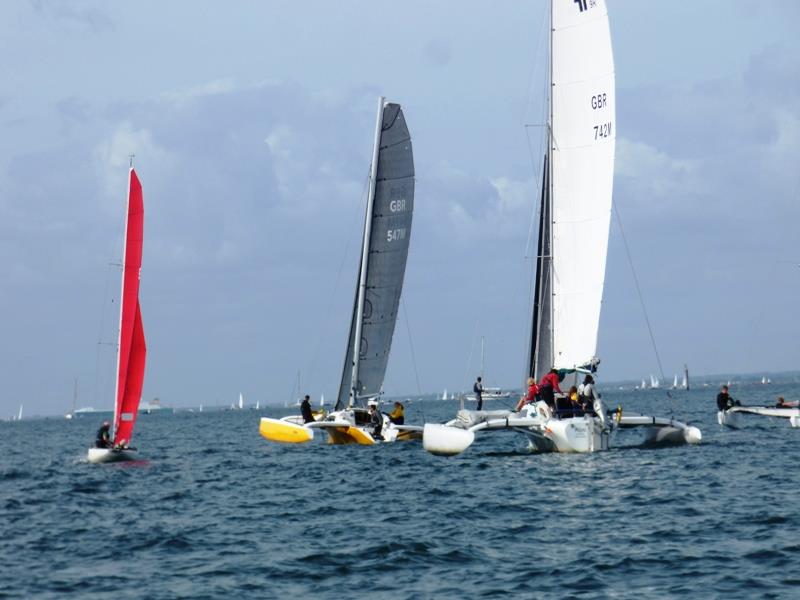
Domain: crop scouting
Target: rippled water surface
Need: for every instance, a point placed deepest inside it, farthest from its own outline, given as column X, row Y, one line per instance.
column 216, row 511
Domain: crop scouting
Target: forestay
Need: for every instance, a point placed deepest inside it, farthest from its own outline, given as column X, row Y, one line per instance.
column 388, row 242
column 583, row 132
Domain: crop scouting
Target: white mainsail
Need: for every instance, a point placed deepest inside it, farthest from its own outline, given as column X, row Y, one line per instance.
column 583, row 134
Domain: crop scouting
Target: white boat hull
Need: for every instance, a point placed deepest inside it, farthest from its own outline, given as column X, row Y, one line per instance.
column 733, row 416
column 581, row 434
column 109, row 455
column 729, row 419
column 578, row 434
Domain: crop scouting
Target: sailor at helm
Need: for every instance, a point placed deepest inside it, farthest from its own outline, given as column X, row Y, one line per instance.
column 103, row 436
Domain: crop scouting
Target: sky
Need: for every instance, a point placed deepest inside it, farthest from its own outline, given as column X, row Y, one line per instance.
column 252, row 124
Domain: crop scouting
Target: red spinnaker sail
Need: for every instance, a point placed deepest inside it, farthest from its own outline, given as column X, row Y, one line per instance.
column 132, row 349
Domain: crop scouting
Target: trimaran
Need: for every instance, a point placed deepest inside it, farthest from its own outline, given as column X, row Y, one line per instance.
column 131, row 349
column 384, row 250
column 574, row 223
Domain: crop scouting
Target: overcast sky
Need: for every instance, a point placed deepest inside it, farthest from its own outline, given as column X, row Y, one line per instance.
column 252, row 123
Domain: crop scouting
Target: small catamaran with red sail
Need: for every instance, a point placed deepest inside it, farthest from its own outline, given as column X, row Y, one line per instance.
column 131, row 349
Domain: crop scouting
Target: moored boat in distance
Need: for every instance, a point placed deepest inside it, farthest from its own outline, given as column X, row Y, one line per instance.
column 131, row 347
column 384, row 252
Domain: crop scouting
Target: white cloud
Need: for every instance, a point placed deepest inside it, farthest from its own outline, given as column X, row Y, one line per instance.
column 653, row 171
column 114, row 154
column 182, row 96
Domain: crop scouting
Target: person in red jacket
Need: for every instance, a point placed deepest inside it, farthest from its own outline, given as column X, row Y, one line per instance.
column 533, row 392
column 548, row 387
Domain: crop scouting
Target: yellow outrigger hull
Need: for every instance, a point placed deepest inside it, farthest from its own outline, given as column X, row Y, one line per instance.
column 276, row 430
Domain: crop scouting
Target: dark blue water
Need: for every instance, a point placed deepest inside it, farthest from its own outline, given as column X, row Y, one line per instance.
column 218, row 512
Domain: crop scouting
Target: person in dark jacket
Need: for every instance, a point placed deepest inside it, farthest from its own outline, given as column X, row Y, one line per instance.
column 478, row 389
column 587, row 394
column 305, row 410
column 724, row 401
column 376, row 419
column 104, row 436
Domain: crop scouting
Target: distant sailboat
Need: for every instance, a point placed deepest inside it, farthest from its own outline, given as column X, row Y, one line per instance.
column 685, row 384
column 71, row 413
column 444, row 394
column 131, row 348
column 675, row 382
column 19, row 415
column 241, row 401
column 489, row 393
column 321, row 400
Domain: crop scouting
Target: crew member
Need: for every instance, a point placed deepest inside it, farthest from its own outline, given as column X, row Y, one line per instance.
column 586, row 393
column 305, row 410
column 376, row 419
column 478, row 389
column 104, row 436
column 533, row 392
column 548, row 387
column 397, row 416
column 724, row 401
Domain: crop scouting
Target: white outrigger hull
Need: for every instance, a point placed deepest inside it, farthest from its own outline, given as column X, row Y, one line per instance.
column 109, row 455
column 581, row 434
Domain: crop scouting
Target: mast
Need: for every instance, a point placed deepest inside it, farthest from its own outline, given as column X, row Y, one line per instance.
column 540, row 357
column 75, row 396
column 685, row 377
column 121, row 300
column 362, row 281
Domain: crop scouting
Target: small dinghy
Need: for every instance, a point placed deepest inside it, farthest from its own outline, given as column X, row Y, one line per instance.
column 132, row 350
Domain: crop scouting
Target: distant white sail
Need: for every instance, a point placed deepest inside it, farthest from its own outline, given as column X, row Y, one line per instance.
column 241, row 401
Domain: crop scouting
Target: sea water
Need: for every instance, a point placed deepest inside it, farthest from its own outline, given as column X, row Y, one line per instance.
column 215, row 511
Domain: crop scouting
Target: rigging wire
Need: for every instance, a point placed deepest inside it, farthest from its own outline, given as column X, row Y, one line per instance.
column 115, row 250
column 413, row 356
column 462, row 393
column 318, row 343
column 641, row 298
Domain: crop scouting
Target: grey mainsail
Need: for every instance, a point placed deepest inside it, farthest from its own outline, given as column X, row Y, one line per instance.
column 540, row 359
column 387, row 241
